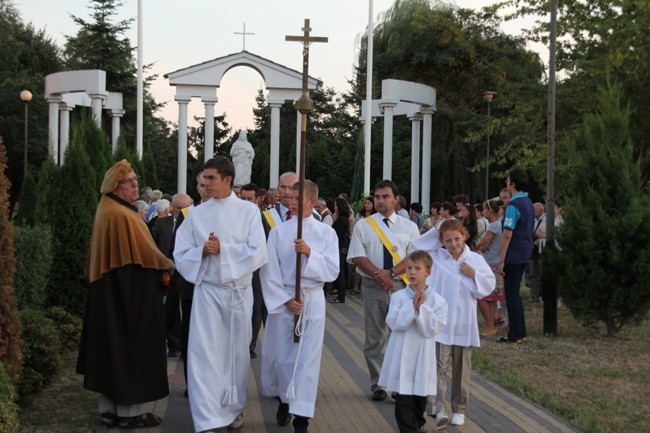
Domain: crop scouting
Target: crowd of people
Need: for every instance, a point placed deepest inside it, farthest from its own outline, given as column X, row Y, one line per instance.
column 170, row 277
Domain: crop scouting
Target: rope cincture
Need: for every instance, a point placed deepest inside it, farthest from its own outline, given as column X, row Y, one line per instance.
column 236, row 301
column 301, row 329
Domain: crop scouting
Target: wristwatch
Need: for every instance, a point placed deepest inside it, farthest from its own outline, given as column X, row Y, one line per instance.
column 393, row 275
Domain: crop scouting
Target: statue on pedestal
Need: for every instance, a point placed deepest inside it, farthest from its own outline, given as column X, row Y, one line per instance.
column 242, row 154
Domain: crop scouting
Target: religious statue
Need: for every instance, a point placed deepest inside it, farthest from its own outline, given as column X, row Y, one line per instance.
column 242, row 157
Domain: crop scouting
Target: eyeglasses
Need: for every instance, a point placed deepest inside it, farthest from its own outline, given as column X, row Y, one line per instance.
column 132, row 180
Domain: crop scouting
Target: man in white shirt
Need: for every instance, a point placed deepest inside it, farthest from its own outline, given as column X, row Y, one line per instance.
column 218, row 247
column 375, row 264
column 290, row 371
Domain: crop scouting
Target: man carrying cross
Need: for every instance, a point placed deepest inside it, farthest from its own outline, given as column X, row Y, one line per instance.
column 290, row 371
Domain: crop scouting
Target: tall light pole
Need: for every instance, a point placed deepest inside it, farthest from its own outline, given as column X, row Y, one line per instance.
column 26, row 96
column 488, row 95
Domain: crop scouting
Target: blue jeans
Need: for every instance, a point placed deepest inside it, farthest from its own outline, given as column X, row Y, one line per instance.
column 512, row 285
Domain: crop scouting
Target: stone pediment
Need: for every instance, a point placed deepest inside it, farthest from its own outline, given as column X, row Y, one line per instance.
column 211, row 72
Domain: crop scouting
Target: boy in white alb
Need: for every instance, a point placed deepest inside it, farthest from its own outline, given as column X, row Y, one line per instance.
column 415, row 315
column 290, row 370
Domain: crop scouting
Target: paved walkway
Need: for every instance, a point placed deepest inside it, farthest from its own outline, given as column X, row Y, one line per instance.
column 343, row 403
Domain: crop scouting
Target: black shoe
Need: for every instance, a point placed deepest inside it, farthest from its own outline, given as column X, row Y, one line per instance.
column 186, row 394
column 394, row 395
column 378, row 395
column 283, row 417
column 253, row 354
column 300, row 424
column 174, row 353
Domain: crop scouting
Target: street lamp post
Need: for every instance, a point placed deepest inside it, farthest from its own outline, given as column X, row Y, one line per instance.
column 488, row 95
column 26, row 97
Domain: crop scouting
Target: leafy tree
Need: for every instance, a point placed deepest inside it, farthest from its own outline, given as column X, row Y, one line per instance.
column 605, row 278
column 27, row 55
column 72, row 219
column 100, row 44
column 462, row 54
column 597, row 40
column 10, row 353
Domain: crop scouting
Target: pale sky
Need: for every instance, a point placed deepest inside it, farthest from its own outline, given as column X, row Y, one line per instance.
column 181, row 34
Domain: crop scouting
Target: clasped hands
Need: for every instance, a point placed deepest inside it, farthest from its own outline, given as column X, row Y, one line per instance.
column 382, row 276
column 212, row 245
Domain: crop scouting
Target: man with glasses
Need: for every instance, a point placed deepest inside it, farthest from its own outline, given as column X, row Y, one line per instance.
column 123, row 335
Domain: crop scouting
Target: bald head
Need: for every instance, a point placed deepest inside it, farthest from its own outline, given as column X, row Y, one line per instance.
column 181, row 201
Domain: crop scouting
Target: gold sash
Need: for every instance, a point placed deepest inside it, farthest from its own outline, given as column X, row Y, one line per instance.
column 386, row 243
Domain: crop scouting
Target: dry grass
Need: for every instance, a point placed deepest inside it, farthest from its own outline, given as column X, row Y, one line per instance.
column 600, row 384
column 63, row 407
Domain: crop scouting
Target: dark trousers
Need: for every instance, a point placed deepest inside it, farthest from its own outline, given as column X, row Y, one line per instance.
column 173, row 318
column 512, row 286
column 186, row 311
column 259, row 308
column 409, row 412
column 342, row 280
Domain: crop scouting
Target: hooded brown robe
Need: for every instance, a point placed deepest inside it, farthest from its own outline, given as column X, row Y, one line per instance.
column 122, row 350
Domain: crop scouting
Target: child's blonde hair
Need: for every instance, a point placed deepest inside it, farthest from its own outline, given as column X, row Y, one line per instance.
column 421, row 256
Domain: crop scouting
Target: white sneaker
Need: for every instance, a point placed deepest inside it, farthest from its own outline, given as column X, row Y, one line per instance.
column 441, row 420
column 458, row 419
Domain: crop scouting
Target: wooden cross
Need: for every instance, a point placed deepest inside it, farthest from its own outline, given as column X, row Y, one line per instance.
column 243, row 33
column 304, row 105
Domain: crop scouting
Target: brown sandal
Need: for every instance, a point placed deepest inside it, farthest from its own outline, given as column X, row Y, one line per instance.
column 141, row 421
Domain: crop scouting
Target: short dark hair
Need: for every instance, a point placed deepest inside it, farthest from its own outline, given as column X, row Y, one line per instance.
column 417, row 207
column 251, row 187
column 223, row 165
column 519, row 179
column 460, row 198
column 449, row 207
column 387, row 184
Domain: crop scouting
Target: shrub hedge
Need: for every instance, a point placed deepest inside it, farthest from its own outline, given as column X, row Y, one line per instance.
column 68, row 327
column 8, row 407
column 41, row 351
column 33, row 246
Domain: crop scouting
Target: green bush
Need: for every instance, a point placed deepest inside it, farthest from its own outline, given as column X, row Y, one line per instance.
column 41, row 352
column 602, row 267
column 68, row 326
column 33, row 246
column 8, row 407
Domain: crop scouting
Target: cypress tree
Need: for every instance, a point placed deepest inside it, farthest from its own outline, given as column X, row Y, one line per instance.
column 97, row 146
column 602, row 266
column 27, row 200
column 73, row 214
column 48, row 188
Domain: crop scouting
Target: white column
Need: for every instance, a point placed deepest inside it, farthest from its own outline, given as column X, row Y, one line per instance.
column 53, row 124
column 64, row 130
column 115, row 128
column 209, row 102
column 427, row 116
column 298, row 134
column 388, row 139
column 96, row 102
column 416, row 122
column 182, row 143
column 274, row 172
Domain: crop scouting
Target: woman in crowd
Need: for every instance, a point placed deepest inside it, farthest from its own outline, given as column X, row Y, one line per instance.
column 342, row 228
column 368, row 208
column 489, row 249
column 468, row 220
column 431, row 222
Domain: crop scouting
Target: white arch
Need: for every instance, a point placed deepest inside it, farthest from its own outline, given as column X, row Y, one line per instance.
column 203, row 80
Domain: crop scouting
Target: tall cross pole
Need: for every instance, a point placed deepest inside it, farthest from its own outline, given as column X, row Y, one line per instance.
column 243, row 33
column 304, row 105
